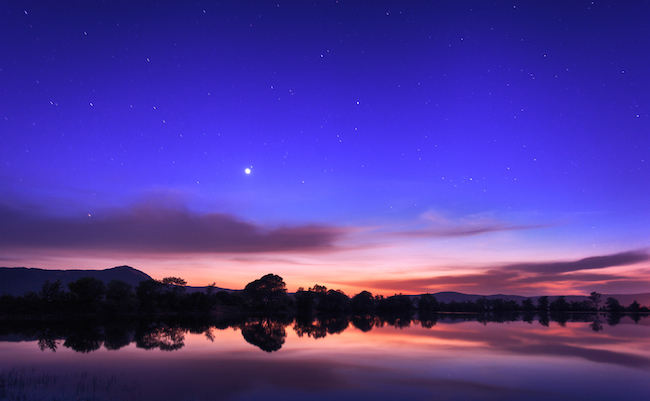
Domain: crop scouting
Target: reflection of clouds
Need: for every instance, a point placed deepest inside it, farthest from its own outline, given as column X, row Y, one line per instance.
column 576, row 340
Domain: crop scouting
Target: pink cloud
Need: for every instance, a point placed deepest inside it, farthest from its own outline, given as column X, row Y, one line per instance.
column 525, row 278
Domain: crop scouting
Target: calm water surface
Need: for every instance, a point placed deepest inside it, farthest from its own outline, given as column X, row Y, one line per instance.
column 450, row 360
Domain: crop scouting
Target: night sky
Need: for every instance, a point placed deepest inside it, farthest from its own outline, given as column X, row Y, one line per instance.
column 392, row 146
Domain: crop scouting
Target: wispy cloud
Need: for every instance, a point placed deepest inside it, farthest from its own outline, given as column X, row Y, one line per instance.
column 155, row 228
column 596, row 262
column 436, row 225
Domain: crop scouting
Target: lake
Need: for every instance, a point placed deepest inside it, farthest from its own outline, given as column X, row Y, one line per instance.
column 446, row 357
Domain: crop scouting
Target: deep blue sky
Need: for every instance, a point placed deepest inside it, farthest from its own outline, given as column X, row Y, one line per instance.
column 392, row 123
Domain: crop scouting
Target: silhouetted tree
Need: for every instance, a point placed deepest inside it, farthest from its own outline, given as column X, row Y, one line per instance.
column 305, row 301
column 175, row 281
column 482, row 305
column 428, row 304
column 209, row 289
column 542, row 304
column 268, row 294
column 120, row 298
column 396, row 304
column 52, row 296
column 225, row 298
column 173, row 297
column 363, row 304
column 87, row 293
column 527, row 305
column 582, row 306
column 333, row 302
column 199, row 302
column 318, row 289
column 500, row 305
column 634, row 307
column 559, row 305
column 612, row 305
column 594, row 298
column 149, row 293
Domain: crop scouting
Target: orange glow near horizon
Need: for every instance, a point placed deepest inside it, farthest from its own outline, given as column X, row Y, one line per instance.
column 382, row 271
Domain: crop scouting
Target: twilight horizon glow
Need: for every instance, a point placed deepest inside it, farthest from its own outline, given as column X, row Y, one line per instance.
column 397, row 147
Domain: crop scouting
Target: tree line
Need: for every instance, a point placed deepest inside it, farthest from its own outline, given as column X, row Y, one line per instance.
column 266, row 296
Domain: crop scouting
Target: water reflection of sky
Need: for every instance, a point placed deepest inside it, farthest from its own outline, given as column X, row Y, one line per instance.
column 466, row 360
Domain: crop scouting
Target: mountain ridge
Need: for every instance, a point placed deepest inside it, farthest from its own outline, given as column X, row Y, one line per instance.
column 20, row 280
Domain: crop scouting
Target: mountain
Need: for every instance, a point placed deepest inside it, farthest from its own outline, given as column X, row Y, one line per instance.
column 623, row 299
column 19, row 280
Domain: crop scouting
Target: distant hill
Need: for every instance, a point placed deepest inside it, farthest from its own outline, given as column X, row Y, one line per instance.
column 19, row 280
column 191, row 289
column 623, row 299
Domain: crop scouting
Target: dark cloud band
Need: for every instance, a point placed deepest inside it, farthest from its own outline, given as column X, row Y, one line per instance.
column 154, row 229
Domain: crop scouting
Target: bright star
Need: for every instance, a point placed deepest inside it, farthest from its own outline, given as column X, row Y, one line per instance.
column 247, row 171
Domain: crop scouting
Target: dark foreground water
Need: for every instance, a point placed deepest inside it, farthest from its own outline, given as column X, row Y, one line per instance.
column 438, row 359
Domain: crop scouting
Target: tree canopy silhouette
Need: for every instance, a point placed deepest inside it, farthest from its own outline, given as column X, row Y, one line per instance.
column 268, row 293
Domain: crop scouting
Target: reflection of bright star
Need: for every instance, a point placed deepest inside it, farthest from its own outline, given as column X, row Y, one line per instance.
column 247, row 171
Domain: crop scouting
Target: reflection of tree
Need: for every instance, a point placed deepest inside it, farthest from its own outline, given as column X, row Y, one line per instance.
column 560, row 318
column 322, row 326
column 363, row 323
column 334, row 324
column 162, row 337
column 84, row 339
column 528, row 317
column 399, row 321
column 116, row 336
column 614, row 318
column 307, row 326
column 596, row 325
column 267, row 334
column 428, row 320
column 543, row 319
column 47, row 340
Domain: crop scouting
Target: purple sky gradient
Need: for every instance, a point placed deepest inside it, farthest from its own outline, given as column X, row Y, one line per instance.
column 387, row 141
